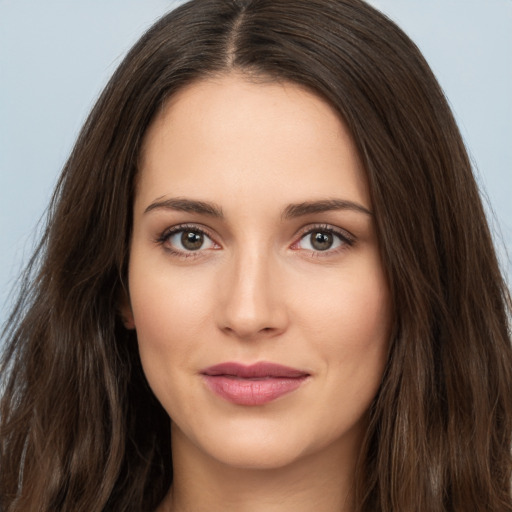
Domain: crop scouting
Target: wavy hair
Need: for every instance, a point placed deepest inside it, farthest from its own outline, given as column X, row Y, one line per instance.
column 80, row 429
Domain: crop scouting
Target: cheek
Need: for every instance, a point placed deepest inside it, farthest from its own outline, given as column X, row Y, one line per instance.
column 167, row 303
column 170, row 314
column 349, row 322
column 353, row 311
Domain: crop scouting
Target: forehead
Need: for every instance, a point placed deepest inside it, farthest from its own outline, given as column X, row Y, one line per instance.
column 230, row 136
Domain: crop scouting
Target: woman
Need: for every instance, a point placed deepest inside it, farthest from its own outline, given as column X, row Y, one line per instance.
column 267, row 283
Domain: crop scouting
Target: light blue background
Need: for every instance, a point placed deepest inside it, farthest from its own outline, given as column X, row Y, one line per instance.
column 55, row 57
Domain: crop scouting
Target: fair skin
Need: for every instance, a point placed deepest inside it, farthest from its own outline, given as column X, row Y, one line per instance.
column 253, row 241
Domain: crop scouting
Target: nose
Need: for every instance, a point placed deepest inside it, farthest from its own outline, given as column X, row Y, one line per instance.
column 252, row 299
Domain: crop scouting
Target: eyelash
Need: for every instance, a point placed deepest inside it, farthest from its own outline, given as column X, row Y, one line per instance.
column 163, row 239
column 347, row 240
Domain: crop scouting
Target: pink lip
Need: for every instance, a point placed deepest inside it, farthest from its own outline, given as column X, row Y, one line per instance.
column 256, row 384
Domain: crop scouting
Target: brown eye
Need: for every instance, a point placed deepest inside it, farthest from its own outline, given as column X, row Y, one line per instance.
column 321, row 240
column 186, row 240
column 192, row 240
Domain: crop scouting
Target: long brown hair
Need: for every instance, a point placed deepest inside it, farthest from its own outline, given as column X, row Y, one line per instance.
column 80, row 429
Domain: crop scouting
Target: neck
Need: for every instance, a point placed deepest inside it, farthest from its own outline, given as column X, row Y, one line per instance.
column 323, row 481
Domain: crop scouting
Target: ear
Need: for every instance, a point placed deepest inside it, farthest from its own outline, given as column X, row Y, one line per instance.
column 127, row 318
column 125, row 310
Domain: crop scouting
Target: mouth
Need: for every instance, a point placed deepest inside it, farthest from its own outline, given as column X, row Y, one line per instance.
column 256, row 384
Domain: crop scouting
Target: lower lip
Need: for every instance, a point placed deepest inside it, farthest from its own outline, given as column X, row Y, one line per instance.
column 252, row 391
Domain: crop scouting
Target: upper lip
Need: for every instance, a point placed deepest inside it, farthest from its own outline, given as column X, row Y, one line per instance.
column 254, row 371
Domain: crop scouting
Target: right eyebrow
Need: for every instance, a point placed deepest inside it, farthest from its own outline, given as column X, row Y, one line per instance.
column 186, row 205
column 311, row 207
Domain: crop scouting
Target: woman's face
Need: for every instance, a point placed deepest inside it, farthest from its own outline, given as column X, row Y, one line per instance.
column 256, row 287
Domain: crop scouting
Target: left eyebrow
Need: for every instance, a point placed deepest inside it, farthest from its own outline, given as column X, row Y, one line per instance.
column 186, row 205
column 300, row 209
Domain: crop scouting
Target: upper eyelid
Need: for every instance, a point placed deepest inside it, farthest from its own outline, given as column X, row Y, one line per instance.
column 164, row 235
column 183, row 227
column 163, row 239
column 305, row 230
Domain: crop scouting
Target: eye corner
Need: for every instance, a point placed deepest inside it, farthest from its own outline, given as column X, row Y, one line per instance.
column 174, row 242
column 330, row 240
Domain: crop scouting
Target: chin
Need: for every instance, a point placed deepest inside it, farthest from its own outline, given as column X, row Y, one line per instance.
column 267, row 445
column 257, row 455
